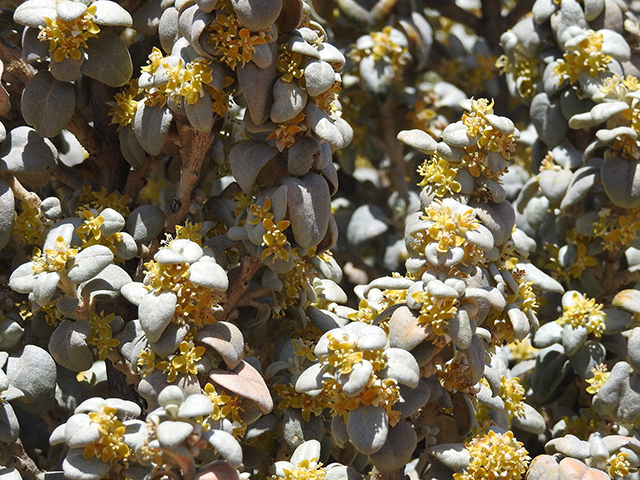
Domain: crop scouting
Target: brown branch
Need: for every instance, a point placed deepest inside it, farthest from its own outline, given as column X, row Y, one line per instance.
column 13, row 455
column 84, row 132
column 16, row 70
column 381, row 11
column 20, row 192
column 120, row 364
column 71, row 178
column 519, row 11
column 110, row 167
column 239, row 283
column 394, row 147
column 137, row 178
column 491, row 26
column 454, row 12
column 193, row 147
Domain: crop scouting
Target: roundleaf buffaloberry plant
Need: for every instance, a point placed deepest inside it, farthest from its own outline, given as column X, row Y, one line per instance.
column 319, row 240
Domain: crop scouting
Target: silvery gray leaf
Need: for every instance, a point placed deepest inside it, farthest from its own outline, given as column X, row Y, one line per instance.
column 226, row 445
column 621, row 181
column 368, row 427
column 402, row 367
column 548, row 119
column 247, row 159
column 24, row 151
column 170, row 434
column 88, row 263
column 33, row 371
column 257, row 85
column 418, row 139
column 319, row 77
column 76, row 467
column 257, row 14
column 353, row 382
column 587, row 357
column 398, row 448
column 151, row 125
column 207, row 273
column 109, row 13
column 80, row 431
column 155, row 312
column 68, row 345
column 289, row 100
column 195, row 406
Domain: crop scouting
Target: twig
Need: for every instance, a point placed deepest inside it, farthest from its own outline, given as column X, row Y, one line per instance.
column 21, row 193
column 71, row 178
column 239, row 282
column 394, row 147
column 109, row 164
column 13, row 455
column 381, row 11
column 120, row 364
column 85, row 134
column 454, row 12
column 137, row 178
column 193, row 147
column 16, row 70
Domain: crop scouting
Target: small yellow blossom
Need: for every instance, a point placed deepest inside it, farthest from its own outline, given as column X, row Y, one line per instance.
column 600, row 375
column 66, row 39
column 185, row 362
column 146, row 362
column 584, row 312
column 306, row 470
column 447, row 228
column 439, row 178
column 586, row 56
column 54, row 259
column 616, row 229
column 495, row 456
column 100, row 334
column 618, row 465
column 28, row 226
column 226, row 406
column 235, row 44
column 110, row 447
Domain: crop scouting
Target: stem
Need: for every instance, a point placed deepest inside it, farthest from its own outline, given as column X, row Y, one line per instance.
column 239, row 282
column 394, row 147
column 13, row 455
column 193, row 147
column 137, row 178
column 454, row 12
column 20, row 192
column 109, row 163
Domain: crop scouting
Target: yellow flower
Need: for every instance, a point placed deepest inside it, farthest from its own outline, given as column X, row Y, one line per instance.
column 110, row 447
column 447, row 227
column 586, row 56
column 275, row 240
column 305, row 470
column 600, row 375
column 66, row 39
column 439, row 178
column 618, row 465
column 226, row 406
column 125, row 105
column 584, row 312
column 100, row 334
column 55, row 259
column 495, row 456
column 185, row 362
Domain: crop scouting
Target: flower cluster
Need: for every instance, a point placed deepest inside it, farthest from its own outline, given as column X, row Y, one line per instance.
column 495, row 456
column 579, row 311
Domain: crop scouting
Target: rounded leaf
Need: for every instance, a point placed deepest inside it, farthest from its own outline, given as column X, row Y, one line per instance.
column 108, row 59
column 47, row 104
column 368, row 427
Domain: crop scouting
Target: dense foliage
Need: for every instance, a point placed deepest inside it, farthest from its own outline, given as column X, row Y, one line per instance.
column 333, row 240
